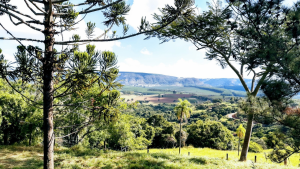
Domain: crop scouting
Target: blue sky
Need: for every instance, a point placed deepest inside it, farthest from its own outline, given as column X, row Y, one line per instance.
column 177, row 58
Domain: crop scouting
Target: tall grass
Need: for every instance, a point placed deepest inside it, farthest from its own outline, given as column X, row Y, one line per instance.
column 78, row 157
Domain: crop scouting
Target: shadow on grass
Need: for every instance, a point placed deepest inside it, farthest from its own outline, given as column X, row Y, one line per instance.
column 199, row 160
column 147, row 164
column 31, row 163
column 154, row 155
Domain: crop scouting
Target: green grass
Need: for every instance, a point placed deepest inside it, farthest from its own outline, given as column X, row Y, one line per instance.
column 77, row 157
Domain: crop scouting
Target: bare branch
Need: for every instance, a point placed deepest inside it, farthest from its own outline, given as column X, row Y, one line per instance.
column 65, row 6
column 21, row 20
column 114, row 39
column 21, row 39
column 4, row 6
column 98, row 9
column 18, row 41
column 253, row 80
column 39, row 1
column 43, row 12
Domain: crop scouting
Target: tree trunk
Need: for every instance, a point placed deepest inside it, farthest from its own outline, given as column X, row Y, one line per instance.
column 285, row 161
column 180, row 134
column 247, row 138
column 48, row 89
column 239, row 147
column 5, row 137
column 30, row 139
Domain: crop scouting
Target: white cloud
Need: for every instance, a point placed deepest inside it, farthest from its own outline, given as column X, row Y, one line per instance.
column 8, row 57
column 181, row 68
column 142, row 8
column 192, row 48
column 145, row 51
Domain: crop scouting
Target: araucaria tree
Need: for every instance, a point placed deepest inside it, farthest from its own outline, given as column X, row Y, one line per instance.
column 183, row 110
column 59, row 73
column 250, row 33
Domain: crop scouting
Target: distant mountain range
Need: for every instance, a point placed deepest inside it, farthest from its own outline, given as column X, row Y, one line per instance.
column 150, row 80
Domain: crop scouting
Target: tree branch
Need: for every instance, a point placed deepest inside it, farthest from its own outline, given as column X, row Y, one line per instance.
column 21, row 20
column 43, row 12
column 97, row 9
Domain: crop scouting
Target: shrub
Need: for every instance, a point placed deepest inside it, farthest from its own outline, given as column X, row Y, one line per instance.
column 254, row 147
column 210, row 134
column 184, row 136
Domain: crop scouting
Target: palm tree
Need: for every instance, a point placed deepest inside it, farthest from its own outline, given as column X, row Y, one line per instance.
column 182, row 109
column 240, row 132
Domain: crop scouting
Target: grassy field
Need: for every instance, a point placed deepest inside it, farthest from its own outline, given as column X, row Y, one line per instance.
column 20, row 157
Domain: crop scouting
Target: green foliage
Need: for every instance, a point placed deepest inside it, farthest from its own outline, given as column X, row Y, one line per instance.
column 147, row 111
column 20, row 122
column 201, row 107
column 240, row 132
column 181, row 136
column 274, row 139
column 164, row 132
column 130, row 132
column 217, row 100
column 254, row 147
column 183, row 109
column 209, row 134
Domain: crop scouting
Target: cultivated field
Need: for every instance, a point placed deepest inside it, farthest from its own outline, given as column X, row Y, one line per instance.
column 154, row 99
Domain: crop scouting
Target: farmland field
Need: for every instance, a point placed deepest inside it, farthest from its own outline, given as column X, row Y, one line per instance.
column 154, row 99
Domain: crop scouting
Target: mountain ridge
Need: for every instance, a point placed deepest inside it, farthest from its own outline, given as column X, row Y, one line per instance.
column 151, row 79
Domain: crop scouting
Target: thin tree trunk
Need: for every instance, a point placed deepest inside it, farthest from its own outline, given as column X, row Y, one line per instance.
column 30, row 139
column 247, row 138
column 239, row 147
column 5, row 137
column 180, row 134
column 48, row 89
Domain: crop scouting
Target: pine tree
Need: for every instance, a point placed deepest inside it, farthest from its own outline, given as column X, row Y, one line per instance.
column 61, row 73
column 253, row 34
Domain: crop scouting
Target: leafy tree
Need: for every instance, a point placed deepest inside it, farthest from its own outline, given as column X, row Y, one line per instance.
column 131, row 133
column 182, row 109
column 20, row 120
column 59, row 74
column 217, row 100
column 254, row 34
column 164, row 132
column 181, row 137
column 240, row 132
column 209, row 134
column 255, row 147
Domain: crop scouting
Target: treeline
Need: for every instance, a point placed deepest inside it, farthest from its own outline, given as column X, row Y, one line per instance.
column 161, row 90
column 122, row 126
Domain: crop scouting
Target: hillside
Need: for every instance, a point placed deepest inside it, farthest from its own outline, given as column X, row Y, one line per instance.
column 148, row 79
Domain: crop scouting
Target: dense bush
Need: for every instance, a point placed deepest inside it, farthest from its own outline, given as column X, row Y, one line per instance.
column 210, row 134
column 260, row 141
column 164, row 132
column 254, row 147
column 184, row 136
